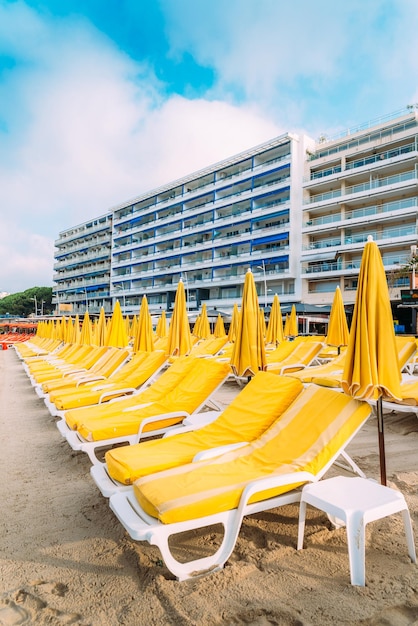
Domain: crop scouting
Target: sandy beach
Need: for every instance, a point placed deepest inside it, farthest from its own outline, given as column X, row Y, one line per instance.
column 65, row 559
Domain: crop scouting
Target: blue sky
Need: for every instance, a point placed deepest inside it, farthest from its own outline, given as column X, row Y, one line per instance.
column 101, row 100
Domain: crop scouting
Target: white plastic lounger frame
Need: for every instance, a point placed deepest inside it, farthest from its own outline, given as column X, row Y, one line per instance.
column 79, row 443
column 142, row 527
column 121, row 394
column 108, row 485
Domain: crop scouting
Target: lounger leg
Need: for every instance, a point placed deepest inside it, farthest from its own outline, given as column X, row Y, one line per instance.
column 198, row 567
column 351, row 465
column 301, row 525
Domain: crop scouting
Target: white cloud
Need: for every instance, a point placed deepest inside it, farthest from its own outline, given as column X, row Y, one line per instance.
column 316, row 64
column 85, row 128
column 26, row 258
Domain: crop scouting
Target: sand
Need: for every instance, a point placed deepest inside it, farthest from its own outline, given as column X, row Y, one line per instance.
column 65, row 559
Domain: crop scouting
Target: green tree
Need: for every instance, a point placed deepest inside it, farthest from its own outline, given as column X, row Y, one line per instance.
column 22, row 304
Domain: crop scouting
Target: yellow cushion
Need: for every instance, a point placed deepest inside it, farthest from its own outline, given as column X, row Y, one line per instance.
column 305, row 438
column 313, row 372
column 137, row 372
column 87, row 362
column 251, row 412
column 203, row 378
column 303, row 354
column 165, row 383
column 406, row 347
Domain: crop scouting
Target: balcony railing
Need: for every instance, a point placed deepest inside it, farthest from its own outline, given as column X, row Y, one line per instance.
column 381, row 182
column 381, row 156
column 398, row 205
column 365, row 138
column 372, row 184
column 352, row 264
column 390, row 233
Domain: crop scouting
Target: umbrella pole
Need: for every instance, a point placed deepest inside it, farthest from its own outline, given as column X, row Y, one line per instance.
column 382, row 456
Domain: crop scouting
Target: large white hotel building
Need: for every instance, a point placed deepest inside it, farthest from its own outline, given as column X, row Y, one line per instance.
column 294, row 210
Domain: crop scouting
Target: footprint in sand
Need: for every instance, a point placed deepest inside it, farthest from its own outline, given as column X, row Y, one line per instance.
column 24, row 607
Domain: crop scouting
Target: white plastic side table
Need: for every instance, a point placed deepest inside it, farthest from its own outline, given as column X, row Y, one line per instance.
column 355, row 501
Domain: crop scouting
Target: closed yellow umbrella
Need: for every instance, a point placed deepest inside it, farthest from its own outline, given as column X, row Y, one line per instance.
column 275, row 325
column 219, row 330
column 196, row 327
column 86, row 335
column 234, row 325
column 204, row 326
column 263, row 323
column 116, row 335
column 127, row 326
column 179, row 336
column 161, row 329
column 68, row 330
column 76, row 331
column 248, row 355
column 337, row 327
column 133, row 327
column 371, row 367
column 143, row 338
column 286, row 330
column 100, row 334
column 54, row 331
column 293, row 323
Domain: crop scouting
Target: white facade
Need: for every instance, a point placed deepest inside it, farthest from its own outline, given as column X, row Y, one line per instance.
column 210, row 227
column 294, row 211
column 82, row 267
column 364, row 183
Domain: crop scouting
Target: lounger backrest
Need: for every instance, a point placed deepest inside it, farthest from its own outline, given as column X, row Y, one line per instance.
column 145, row 369
column 129, row 366
column 110, row 361
column 73, row 357
column 250, row 413
column 283, row 350
column 303, row 353
column 196, row 387
column 209, row 346
column 315, row 372
column 406, row 347
column 168, row 380
column 307, row 437
column 84, row 356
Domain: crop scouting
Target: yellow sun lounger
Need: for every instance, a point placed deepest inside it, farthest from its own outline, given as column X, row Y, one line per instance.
column 142, row 368
column 159, row 388
column 330, row 369
column 251, row 412
column 154, row 418
column 298, row 448
column 302, row 356
column 406, row 347
column 104, row 366
column 36, row 347
column 83, row 359
column 65, row 358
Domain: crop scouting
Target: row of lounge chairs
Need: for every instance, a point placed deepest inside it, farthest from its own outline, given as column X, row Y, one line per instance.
column 210, row 466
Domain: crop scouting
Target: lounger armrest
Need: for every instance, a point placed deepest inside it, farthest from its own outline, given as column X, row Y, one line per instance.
column 89, row 379
column 293, row 366
column 74, row 372
column 137, row 407
column 116, row 392
column 213, row 452
column 263, row 484
column 159, row 418
column 193, row 422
